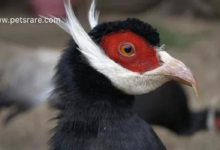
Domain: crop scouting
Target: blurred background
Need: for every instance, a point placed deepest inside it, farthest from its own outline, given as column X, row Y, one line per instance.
column 190, row 29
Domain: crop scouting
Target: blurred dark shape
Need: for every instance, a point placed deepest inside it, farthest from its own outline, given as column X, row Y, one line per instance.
column 17, row 5
column 176, row 7
column 3, row 3
column 209, row 9
column 198, row 8
column 206, row 8
column 25, row 78
column 168, row 107
column 131, row 6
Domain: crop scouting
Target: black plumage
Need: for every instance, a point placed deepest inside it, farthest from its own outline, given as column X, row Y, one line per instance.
column 168, row 106
column 132, row 24
column 94, row 114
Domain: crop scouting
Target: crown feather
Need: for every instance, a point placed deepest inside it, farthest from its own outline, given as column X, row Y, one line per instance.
column 93, row 15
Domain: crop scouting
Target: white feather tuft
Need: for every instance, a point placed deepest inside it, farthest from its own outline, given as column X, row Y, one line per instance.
column 93, row 15
column 126, row 80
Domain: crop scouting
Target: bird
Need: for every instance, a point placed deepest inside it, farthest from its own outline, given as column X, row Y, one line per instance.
column 25, row 78
column 176, row 116
column 97, row 77
column 168, row 107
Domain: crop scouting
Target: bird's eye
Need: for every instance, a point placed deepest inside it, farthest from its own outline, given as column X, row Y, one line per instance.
column 127, row 50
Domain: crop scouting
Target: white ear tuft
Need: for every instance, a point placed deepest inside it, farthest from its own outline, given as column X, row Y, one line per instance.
column 94, row 54
column 93, row 15
column 122, row 78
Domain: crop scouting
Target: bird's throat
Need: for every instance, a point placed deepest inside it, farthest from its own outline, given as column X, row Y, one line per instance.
column 93, row 113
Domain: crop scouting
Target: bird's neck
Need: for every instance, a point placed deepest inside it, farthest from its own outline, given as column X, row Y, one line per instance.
column 93, row 98
column 93, row 112
column 82, row 87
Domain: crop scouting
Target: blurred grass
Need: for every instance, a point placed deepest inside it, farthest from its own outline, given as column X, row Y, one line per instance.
column 178, row 39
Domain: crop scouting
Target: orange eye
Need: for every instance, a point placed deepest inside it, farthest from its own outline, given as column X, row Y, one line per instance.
column 127, row 50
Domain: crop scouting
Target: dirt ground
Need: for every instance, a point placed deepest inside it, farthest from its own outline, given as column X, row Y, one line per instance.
column 31, row 131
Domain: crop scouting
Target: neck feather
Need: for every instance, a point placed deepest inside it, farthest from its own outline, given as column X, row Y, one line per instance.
column 82, row 87
column 93, row 113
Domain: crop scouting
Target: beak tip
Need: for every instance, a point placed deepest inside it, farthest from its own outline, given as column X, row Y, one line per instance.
column 178, row 71
column 196, row 89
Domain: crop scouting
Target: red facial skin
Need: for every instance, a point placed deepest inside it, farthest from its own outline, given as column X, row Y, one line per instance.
column 144, row 58
column 217, row 123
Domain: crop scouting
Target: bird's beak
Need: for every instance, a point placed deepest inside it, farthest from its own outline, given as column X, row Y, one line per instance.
column 176, row 70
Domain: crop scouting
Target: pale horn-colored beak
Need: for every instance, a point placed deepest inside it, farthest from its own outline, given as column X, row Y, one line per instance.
column 176, row 70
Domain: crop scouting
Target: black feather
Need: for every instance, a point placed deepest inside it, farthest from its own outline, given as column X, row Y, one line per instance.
column 94, row 114
column 135, row 25
column 167, row 106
